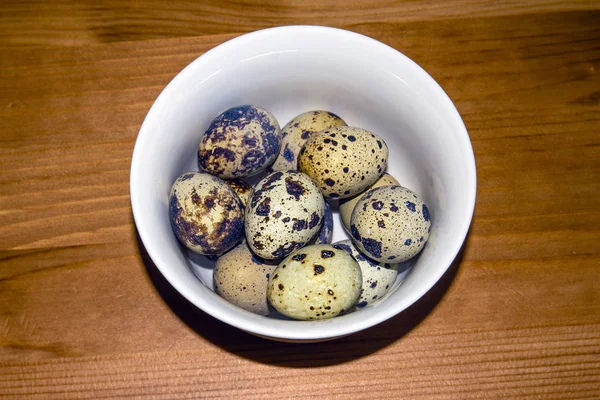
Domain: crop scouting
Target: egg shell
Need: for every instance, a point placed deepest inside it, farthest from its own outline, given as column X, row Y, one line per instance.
column 205, row 214
column 316, row 282
column 241, row 188
column 347, row 205
column 284, row 212
column 377, row 278
column 242, row 141
column 242, row 279
column 326, row 232
column 344, row 161
column 296, row 132
column 390, row 224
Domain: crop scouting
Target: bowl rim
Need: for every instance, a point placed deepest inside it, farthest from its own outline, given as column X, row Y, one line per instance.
column 305, row 335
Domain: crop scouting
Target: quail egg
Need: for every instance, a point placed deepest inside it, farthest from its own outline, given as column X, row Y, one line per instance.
column 242, row 141
column 390, row 224
column 205, row 214
column 296, row 132
column 284, row 212
column 316, row 282
column 344, row 161
column 347, row 205
column 242, row 279
column 377, row 278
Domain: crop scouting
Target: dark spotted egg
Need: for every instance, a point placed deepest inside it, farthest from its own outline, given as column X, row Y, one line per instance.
column 241, row 279
column 344, row 161
column 284, row 212
column 242, row 141
column 296, row 132
column 390, row 224
column 206, row 215
column 316, row 282
column 378, row 277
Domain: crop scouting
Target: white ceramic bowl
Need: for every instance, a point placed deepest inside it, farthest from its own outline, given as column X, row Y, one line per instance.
column 290, row 70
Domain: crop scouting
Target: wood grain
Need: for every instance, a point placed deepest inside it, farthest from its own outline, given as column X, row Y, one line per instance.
column 33, row 22
column 85, row 314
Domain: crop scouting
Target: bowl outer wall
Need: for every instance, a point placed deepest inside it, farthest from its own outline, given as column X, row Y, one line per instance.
column 211, row 303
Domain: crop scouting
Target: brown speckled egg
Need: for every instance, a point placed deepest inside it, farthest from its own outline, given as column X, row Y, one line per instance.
column 390, row 224
column 241, row 188
column 316, row 282
column 378, row 277
column 296, row 132
column 284, row 212
column 344, row 161
column 242, row 141
column 347, row 205
column 242, row 279
column 206, row 215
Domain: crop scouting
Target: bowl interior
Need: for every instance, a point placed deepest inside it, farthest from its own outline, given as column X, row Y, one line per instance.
column 288, row 71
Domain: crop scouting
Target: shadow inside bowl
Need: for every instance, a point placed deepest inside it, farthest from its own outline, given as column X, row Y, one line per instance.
column 299, row 355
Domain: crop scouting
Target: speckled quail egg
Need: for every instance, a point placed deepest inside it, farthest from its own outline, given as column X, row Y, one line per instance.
column 344, row 161
column 326, row 232
column 242, row 279
column 378, row 278
column 242, row 141
column 206, row 215
column 390, row 224
column 241, row 188
column 347, row 205
column 296, row 132
column 316, row 282
column 284, row 212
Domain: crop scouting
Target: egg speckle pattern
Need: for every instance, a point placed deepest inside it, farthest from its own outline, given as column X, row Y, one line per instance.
column 205, row 214
column 296, row 132
column 241, row 188
column 242, row 279
column 344, row 161
column 284, row 212
column 240, row 142
column 316, row 282
column 347, row 205
column 326, row 232
column 390, row 224
column 377, row 277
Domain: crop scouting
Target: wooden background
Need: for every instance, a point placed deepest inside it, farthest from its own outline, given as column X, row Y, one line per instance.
column 85, row 314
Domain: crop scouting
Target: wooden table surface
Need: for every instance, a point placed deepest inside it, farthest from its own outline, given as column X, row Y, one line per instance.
column 85, row 314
